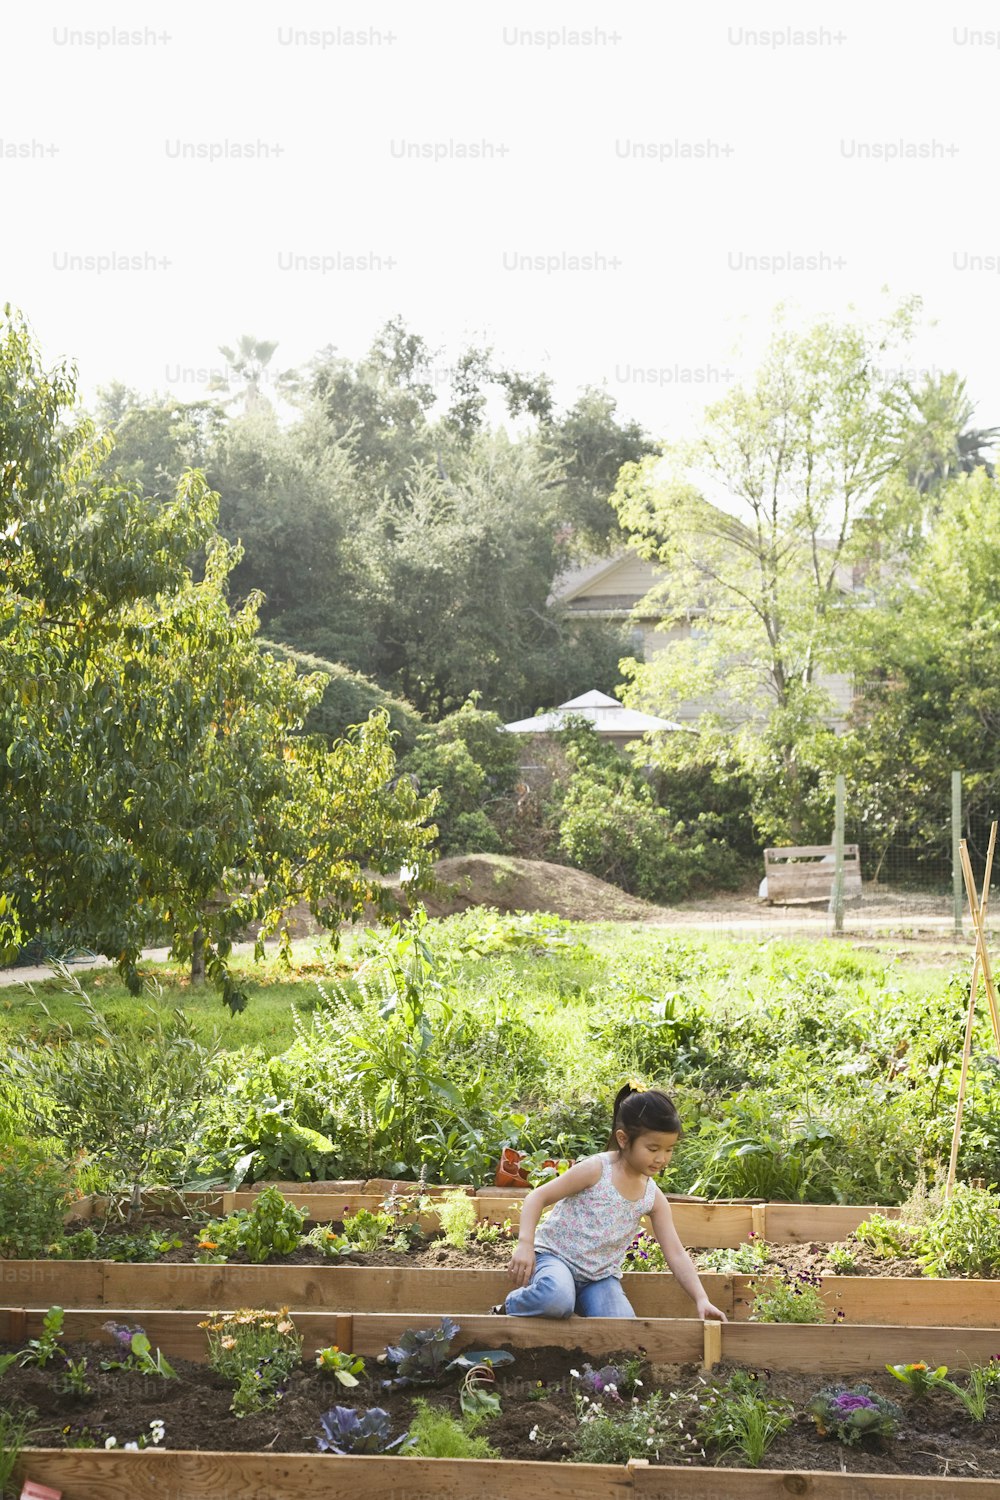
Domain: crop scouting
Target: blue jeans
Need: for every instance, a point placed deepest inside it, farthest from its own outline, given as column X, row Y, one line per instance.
column 554, row 1292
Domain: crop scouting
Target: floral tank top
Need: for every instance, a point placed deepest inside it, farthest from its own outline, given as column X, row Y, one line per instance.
column 592, row 1230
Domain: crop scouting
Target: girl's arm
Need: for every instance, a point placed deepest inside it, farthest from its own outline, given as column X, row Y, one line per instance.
column 574, row 1180
column 678, row 1259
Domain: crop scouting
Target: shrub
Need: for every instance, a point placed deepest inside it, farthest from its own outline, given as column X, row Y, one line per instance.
column 35, row 1192
column 963, row 1237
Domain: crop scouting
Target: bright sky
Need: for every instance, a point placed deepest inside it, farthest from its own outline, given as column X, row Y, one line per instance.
column 478, row 156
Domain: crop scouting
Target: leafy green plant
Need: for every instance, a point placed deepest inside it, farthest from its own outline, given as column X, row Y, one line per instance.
column 789, row 1298
column 919, row 1377
column 963, row 1237
column 738, row 1260
column 15, row 1429
column 457, row 1217
column 271, row 1227
column 843, row 1260
column 134, row 1108
column 74, row 1378
column 344, row 1431
column 136, row 1353
column 39, row 1351
column 329, row 1242
column 35, row 1191
column 613, row 1435
column 476, row 1401
column 435, row 1433
column 421, row 1355
column 736, row 1417
column 975, row 1395
column 343, row 1367
column 850, row 1413
column 369, row 1229
column 487, row 1233
column 888, row 1239
column 255, row 1351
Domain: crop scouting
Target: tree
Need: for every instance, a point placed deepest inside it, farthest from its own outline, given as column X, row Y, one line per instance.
column 930, row 661
column 248, row 364
column 758, row 525
column 152, row 774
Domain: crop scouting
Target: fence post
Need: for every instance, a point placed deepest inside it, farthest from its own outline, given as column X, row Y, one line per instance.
column 837, row 898
column 957, row 887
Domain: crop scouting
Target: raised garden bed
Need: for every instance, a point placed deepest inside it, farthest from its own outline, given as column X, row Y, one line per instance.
column 935, row 1439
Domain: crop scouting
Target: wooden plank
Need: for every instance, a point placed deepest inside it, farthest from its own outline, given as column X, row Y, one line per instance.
column 178, row 1475
column 849, row 1350
column 662, row 1483
column 42, row 1283
column 817, row 1223
column 668, row 1340
column 907, row 1301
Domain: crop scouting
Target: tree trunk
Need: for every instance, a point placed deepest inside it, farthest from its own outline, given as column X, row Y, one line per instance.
column 198, row 957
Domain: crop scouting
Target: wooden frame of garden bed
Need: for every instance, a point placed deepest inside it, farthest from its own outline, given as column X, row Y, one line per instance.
column 825, row 1348
column 950, row 1303
column 179, row 1475
column 701, row 1226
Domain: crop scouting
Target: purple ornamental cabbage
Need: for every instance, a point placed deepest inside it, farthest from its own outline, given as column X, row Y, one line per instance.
column 422, row 1353
column 345, row 1432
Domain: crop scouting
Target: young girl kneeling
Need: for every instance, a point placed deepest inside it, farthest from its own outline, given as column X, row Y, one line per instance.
column 573, row 1262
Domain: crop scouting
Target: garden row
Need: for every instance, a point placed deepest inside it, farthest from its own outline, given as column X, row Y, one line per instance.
column 670, row 1348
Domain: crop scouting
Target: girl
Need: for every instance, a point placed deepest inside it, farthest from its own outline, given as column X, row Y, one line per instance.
column 573, row 1262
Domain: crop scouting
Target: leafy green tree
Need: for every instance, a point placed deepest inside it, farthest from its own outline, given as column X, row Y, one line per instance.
column 759, row 524
column 472, row 764
column 929, row 657
column 152, row 773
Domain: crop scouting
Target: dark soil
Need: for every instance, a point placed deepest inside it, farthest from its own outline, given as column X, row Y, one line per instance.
column 536, row 1391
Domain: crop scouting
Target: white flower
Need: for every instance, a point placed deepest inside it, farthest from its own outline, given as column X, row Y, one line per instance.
column 532, row 1435
column 575, row 1374
column 637, row 1382
column 111, row 1442
column 131, row 1447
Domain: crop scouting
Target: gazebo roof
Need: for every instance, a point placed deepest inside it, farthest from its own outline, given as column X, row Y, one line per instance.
column 607, row 715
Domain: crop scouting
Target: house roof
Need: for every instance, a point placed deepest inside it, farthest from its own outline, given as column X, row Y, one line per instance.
column 607, row 715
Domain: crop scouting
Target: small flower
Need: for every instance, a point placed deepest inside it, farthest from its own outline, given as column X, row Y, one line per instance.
column 131, row 1447
column 575, row 1374
column 533, row 1434
column 111, row 1442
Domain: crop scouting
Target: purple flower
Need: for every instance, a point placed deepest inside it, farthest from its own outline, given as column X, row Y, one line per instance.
column 122, row 1335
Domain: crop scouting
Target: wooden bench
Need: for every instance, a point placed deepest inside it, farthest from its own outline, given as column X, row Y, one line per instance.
column 806, row 874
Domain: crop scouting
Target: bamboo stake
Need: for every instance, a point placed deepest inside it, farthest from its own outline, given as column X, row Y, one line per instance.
column 967, row 1049
column 984, row 957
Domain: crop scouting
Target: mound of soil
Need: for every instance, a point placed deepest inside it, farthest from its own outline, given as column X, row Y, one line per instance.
column 510, row 885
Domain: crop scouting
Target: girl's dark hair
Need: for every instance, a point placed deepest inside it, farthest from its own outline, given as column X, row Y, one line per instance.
column 637, row 1110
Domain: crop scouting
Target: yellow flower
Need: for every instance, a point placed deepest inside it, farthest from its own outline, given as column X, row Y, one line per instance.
column 229, row 1343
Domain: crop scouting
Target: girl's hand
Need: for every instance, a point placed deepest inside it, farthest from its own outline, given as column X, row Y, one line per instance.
column 522, row 1264
column 706, row 1309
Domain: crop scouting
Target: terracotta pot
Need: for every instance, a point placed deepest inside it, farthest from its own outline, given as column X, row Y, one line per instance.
column 509, row 1173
